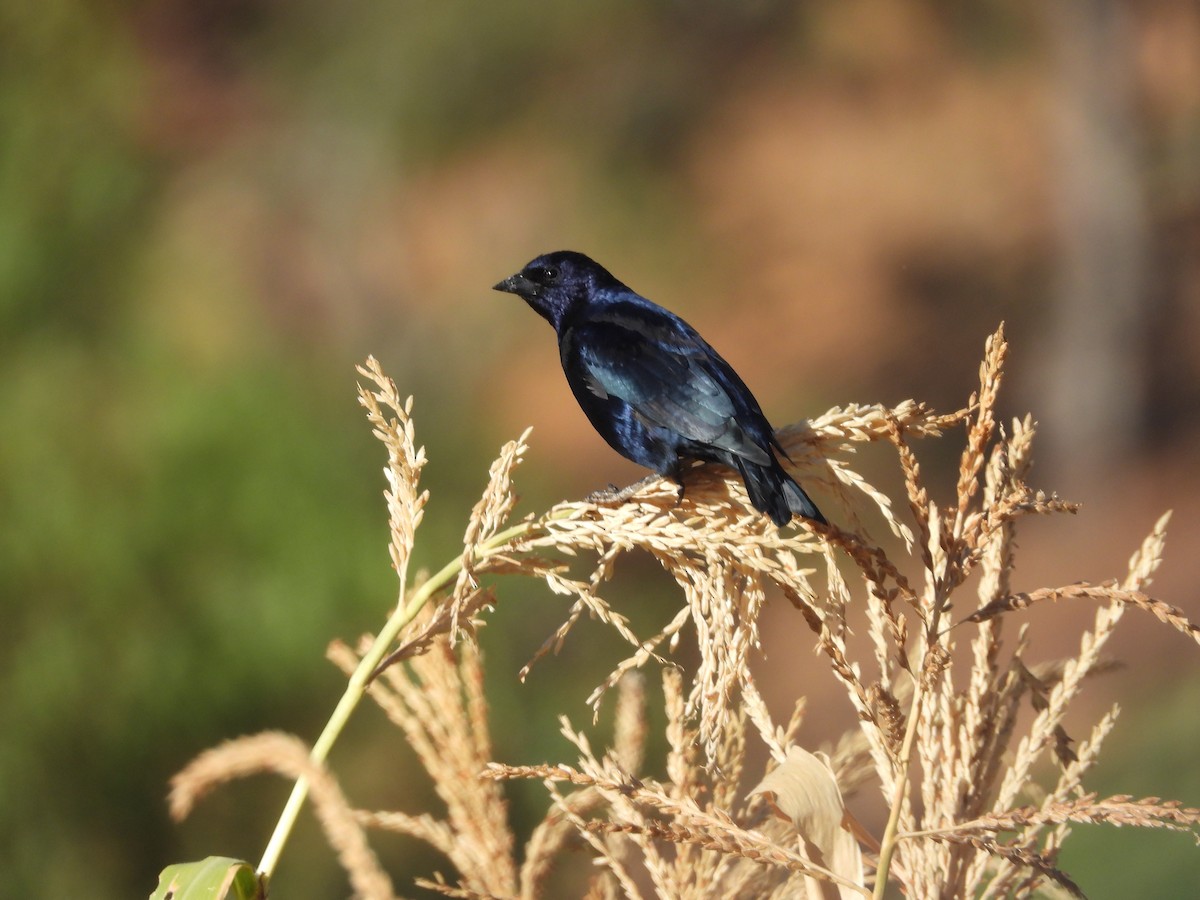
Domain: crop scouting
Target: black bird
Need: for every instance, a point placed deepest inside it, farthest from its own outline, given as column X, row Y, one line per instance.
column 653, row 388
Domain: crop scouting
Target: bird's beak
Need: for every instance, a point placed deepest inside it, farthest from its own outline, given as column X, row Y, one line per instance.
column 517, row 284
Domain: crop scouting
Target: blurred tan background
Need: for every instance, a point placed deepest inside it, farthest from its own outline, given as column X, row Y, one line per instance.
column 211, row 210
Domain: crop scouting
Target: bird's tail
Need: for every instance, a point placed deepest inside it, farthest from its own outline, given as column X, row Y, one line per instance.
column 775, row 493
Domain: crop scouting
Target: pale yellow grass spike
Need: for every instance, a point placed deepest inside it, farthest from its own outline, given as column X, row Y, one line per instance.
column 684, row 773
column 1042, row 731
column 986, row 711
column 551, row 837
column 425, row 827
column 1006, row 471
column 724, row 610
column 406, row 505
column 918, row 497
column 1148, row 557
column 855, row 423
column 1119, row 809
column 1108, row 592
column 682, row 770
column 645, row 653
column 712, row 828
column 621, row 809
column 286, row 755
column 436, row 700
column 991, row 373
column 488, row 516
column 604, row 855
column 629, row 731
column 756, row 710
column 725, row 772
column 1070, row 781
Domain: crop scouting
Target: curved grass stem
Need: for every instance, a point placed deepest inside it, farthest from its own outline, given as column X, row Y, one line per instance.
column 891, row 832
column 356, row 687
column 887, row 846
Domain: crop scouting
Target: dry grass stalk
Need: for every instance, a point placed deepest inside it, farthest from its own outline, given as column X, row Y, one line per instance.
column 286, row 755
column 1149, row 812
column 438, row 703
column 940, row 728
column 405, row 502
column 1107, row 592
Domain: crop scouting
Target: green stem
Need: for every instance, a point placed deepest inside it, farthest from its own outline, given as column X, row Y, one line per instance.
column 887, row 846
column 357, row 685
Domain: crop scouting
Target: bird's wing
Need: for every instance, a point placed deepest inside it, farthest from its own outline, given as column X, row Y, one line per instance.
column 666, row 372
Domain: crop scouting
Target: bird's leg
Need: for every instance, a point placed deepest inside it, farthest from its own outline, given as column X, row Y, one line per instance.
column 614, row 496
column 677, row 473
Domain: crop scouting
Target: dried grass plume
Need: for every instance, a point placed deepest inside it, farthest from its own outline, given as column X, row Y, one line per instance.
column 957, row 721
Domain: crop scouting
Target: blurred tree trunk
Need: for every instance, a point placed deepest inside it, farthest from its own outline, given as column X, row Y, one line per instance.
column 1095, row 375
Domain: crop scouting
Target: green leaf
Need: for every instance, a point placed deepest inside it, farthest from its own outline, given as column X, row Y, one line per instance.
column 214, row 878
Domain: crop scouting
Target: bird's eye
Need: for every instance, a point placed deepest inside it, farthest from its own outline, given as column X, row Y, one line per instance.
column 549, row 275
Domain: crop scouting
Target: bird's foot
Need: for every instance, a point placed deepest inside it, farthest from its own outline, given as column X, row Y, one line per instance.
column 615, row 496
column 677, row 474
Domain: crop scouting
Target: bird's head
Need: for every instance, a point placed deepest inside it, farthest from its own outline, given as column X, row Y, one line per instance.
column 555, row 284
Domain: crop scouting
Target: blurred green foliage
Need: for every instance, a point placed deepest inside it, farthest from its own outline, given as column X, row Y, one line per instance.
column 74, row 185
column 179, row 536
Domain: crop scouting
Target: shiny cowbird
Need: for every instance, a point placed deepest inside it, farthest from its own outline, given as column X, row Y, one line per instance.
column 653, row 388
